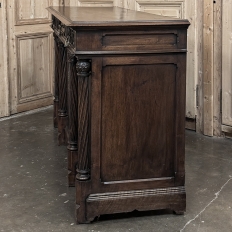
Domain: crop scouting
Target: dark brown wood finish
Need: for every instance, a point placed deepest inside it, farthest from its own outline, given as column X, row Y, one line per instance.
column 73, row 117
column 126, row 106
column 56, row 86
column 62, row 103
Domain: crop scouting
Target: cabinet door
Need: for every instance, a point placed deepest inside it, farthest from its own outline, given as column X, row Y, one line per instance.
column 227, row 65
column 137, row 138
column 177, row 9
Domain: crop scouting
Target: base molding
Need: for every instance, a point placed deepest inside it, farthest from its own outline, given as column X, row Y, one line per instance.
column 135, row 193
column 173, row 198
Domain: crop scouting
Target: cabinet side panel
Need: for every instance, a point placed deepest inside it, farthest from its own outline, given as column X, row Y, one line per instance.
column 138, row 118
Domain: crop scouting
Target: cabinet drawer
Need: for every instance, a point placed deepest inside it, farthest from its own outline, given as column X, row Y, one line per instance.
column 139, row 41
column 132, row 40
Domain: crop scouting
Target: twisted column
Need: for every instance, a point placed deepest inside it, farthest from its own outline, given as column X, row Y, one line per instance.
column 83, row 68
column 62, row 111
column 73, row 118
column 56, row 85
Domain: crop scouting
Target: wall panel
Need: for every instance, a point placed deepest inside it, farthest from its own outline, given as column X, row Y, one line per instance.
column 175, row 9
column 33, row 67
column 227, row 63
column 31, row 12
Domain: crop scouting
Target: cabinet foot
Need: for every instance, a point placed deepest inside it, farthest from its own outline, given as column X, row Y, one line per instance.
column 62, row 130
column 179, row 212
column 55, row 114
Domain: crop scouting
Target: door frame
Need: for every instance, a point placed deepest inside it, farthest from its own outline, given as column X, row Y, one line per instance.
column 209, row 118
column 4, row 88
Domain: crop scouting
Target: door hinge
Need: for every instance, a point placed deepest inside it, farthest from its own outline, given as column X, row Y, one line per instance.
column 197, row 96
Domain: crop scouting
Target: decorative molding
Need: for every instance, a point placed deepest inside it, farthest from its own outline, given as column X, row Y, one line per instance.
column 172, row 8
column 42, row 95
column 136, row 193
column 66, row 34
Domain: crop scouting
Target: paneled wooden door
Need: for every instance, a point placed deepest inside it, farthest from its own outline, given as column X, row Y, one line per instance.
column 30, row 54
column 227, row 66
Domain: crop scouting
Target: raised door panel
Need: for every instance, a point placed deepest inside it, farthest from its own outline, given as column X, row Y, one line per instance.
column 33, row 68
column 30, row 12
column 227, row 64
column 138, row 144
column 175, row 9
column 137, row 132
column 178, row 9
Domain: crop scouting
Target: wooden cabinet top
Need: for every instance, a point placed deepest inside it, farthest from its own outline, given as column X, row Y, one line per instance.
column 110, row 16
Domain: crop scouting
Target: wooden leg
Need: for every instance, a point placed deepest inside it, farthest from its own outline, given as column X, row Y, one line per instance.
column 179, row 212
column 62, row 129
column 55, row 113
column 72, row 160
column 82, row 192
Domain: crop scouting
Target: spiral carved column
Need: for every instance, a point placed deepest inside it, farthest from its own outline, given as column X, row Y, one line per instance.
column 62, row 111
column 73, row 118
column 56, row 86
column 82, row 168
column 83, row 182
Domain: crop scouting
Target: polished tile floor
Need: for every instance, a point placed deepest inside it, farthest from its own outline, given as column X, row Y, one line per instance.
column 34, row 195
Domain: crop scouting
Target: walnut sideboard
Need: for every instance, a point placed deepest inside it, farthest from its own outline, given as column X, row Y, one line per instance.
column 120, row 82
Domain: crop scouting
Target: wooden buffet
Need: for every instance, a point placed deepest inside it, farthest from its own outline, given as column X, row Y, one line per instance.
column 120, row 82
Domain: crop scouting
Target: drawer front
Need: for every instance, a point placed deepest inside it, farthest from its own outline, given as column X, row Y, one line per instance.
column 139, row 41
column 132, row 40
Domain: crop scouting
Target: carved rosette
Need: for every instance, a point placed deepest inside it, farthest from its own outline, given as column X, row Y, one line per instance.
column 83, row 71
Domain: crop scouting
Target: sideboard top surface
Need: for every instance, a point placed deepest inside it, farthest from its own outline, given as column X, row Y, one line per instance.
column 110, row 16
